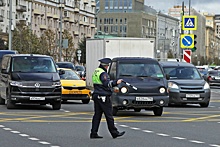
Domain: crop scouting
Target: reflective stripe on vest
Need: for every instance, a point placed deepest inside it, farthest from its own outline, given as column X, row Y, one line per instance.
column 96, row 75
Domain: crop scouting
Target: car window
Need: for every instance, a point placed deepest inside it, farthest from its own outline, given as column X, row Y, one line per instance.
column 33, row 64
column 69, row 75
column 66, row 65
column 182, row 72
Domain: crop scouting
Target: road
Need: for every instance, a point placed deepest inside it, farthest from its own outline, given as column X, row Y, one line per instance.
column 39, row 126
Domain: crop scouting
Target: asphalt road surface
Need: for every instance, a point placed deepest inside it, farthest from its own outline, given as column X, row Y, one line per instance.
column 179, row 126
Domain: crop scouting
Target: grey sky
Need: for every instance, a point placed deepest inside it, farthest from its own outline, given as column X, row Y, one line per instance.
column 211, row 6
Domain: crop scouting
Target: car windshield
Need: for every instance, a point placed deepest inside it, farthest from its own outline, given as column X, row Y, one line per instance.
column 182, row 72
column 140, row 70
column 69, row 75
column 214, row 73
column 80, row 68
column 33, row 64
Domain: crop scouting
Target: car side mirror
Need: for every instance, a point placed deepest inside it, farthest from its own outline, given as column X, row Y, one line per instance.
column 61, row 72
column 167, row 76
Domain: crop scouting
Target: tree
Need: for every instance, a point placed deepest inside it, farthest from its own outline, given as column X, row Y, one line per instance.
column 69, row 53
column 170, row 54
column 82, row 47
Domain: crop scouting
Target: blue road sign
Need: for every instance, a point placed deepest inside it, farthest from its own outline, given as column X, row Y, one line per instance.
column 187, row 41
column 189, row 22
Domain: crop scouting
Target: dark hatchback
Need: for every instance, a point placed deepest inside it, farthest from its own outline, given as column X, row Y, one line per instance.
column 148, row 90
column 66, row 65
column 186, row 85
column 213, row 78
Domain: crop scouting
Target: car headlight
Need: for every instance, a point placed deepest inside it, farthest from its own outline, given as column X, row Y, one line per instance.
column 206, row 86
column 162, row 90
column 15, row 83
column 172, row 85
column 56, row 84
column 124, row 90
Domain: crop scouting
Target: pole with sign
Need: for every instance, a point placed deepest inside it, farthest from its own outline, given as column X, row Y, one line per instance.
column 79, row 55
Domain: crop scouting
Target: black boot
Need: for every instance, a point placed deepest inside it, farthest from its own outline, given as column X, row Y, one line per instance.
column 119, row 134
column 94, row 136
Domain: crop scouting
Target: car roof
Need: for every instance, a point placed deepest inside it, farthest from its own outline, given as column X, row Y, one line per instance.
column 25, row 55
column 64, row 69
column 134, row 59
column 175, row 64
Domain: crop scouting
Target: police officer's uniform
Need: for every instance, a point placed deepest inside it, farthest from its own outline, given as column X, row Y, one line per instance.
column 102, row 102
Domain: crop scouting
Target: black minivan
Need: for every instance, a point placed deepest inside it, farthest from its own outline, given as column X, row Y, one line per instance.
column 28, row 78
column 142, row 88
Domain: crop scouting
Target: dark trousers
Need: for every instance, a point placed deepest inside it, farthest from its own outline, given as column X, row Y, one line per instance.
column 99, row 108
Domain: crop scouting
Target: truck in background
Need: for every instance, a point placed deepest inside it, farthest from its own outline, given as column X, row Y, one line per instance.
column 115, row 47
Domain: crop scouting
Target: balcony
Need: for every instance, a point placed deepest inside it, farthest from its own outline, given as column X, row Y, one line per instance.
column 61, row 5
column 71, row 20
column 85, row 2
column 21, row 21
column 56, row 16
column 37, row 12
column 93, row 4
column 88, row 35
column 1, row 18
column 76, row 10
column 66, row 19
column 86, row 24
column 43, row 27
column 76, row 33
column 21, row 8
column 92, row 25
column 49, row 15
column 81, row 22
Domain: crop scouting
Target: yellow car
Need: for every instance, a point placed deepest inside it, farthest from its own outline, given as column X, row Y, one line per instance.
column 73, row 88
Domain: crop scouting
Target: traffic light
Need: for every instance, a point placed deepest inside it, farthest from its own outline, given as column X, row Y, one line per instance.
column 194, row 48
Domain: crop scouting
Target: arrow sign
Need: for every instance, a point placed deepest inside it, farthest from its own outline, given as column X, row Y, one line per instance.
column 187, row 40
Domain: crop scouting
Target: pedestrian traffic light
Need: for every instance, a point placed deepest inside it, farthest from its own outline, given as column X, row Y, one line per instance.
column 194, row 46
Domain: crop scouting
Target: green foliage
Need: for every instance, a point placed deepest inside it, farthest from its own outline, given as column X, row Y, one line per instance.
column 82, row 47
column 170, row 54
column 70, row 51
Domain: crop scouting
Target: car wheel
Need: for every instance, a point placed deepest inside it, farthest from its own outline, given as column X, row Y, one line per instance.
column 158, row 111
column 85, row 101
column 2, row 101
column 114, row 111
column 137, row 109
column 204, row 104
column 56, row 105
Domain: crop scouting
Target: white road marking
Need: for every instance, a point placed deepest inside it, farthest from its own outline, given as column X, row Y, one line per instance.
column 147, row 131
column 133, row 128
column 124, row 126
column 16, row 132
column 196, row 141
column 160, row 134
column 23, row 135
column 214, row 145
column 180, row 138
column 33, row 138
column 1, row 126
column 8, row 129
column 44, row 142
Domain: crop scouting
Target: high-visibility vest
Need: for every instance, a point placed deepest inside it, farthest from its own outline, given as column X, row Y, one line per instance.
column 96, row 76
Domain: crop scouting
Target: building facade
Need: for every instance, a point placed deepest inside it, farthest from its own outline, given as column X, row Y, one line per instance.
column 78, row 16
column 167, row 36
column 126, row 18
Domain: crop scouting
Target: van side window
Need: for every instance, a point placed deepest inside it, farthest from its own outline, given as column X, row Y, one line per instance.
column 112, row 72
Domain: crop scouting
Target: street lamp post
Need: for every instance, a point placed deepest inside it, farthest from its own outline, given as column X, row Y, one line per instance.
column 10, row 25
column 61, row 21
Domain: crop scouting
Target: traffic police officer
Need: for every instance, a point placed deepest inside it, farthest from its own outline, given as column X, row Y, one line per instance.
column 102, row 102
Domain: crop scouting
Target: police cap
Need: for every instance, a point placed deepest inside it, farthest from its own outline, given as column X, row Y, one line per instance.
column 105, row 61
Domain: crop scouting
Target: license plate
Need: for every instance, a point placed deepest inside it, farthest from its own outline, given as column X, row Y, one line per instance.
column 144, row 99
column 37, row 98
column 192, row 95
column 217, row 78
column 75, row 92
